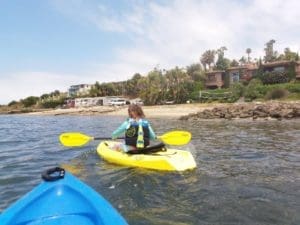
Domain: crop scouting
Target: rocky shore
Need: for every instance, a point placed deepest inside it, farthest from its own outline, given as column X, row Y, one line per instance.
column 267, row 110
column 195, row 111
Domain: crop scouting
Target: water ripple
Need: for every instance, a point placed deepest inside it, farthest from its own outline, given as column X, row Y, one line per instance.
column 248, row 171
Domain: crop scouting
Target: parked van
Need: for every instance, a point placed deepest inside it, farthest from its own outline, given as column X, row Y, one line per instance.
column 117, row 102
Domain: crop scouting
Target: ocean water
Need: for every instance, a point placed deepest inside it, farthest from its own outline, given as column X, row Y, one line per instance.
column 248, row 171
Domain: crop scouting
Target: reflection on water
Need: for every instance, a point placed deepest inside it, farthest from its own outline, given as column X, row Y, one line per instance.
column 248, row 171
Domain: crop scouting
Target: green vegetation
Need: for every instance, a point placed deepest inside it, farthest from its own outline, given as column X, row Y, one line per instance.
column 256, row 90
column 252, row 90
column 30, row 101
column 52, row 103
column 180, row 85
column 276, row 94
column 51, row 100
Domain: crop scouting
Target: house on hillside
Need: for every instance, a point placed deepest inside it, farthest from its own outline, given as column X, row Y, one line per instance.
column 241, row 73
column 283, row 66
column 80, row 89
column 215, row 79
column 220, row 79
column 297, row 70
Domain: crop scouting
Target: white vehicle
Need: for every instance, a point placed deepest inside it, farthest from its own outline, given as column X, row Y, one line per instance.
column 117, row 102
column 136, row 101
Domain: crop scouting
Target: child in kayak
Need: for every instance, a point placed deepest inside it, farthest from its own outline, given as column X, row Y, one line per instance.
column 138, row 131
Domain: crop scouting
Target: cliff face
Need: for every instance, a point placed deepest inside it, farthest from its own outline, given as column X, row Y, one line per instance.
column 277, row 110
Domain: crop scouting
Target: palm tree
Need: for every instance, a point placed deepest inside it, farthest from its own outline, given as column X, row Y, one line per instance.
column 221, row 51
column 270, row 53
column 203, row 61
column 248, row 51
column 211, row 57
column 208, row 58
column 242, row 61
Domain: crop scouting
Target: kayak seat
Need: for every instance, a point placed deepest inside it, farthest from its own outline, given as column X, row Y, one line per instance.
column 150, row 149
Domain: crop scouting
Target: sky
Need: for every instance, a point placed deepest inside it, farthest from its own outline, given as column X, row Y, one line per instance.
column 48, row 45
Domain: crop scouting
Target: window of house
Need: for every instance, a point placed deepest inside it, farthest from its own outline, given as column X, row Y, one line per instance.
column 211, row 78
column 279, row 69
column 235, row 77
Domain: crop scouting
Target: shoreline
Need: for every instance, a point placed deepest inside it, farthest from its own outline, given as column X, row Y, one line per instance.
column 189, row 111
column 157, row 111
column 238, row 110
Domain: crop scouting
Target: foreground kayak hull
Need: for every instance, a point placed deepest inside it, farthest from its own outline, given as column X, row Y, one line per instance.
column 66, row 201
column 170, row 160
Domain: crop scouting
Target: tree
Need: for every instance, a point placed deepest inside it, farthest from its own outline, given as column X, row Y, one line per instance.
column 222, row 63
column 289, row 55
column 12, row 103
column 179, row 86
column 152, row 87
column 44, row 96
column 55, row 93
column 108, row 89
column 234, row 63
column 132, row 88
column 195, row 72
column 193, row 68
column 221, row 51
column 243, row 61
column 270, row 54
column 248, row 51
column 208, row 58
column 203, row 61
column 30, row 101
column 95, row 90
column 252, row 90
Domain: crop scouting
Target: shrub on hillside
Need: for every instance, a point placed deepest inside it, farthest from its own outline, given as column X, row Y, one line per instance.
column 12, row 103
column 237, row 89
column 276, row 94
column 52, row 103
column 30, row 101
column 293, row 87
column 252, row 90
column 274, row 77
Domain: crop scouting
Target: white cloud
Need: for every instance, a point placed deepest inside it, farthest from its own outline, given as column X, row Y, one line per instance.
column 174, row 33
column 180, row 31
column 18, row 86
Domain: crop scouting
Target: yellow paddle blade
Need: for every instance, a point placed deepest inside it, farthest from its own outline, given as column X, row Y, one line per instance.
column 177, row 137
column 74, row 139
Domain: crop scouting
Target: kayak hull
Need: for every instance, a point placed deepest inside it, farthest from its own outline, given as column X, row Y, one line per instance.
column 169, row 160
column 67, row 201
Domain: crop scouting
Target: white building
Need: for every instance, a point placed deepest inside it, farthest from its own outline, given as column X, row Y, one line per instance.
column 87, row 102
column 80, row 89
column 97, row 101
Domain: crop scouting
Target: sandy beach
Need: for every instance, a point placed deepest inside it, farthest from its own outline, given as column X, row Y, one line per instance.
column 172, row 111
column 276, row 109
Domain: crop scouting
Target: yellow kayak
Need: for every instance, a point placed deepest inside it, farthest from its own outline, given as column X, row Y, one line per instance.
column 169, row 160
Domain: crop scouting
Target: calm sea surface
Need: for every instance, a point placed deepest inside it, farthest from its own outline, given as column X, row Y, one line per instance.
column 248, row 172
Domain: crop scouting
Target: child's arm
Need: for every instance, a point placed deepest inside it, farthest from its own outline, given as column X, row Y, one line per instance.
column 120, row 130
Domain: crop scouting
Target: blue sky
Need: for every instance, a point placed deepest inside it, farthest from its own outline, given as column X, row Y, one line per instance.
column 48, row 45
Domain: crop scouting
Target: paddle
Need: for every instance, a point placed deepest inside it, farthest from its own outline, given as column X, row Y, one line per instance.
column 76, row 139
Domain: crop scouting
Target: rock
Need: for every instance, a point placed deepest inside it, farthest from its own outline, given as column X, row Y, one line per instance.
column 268, row 110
